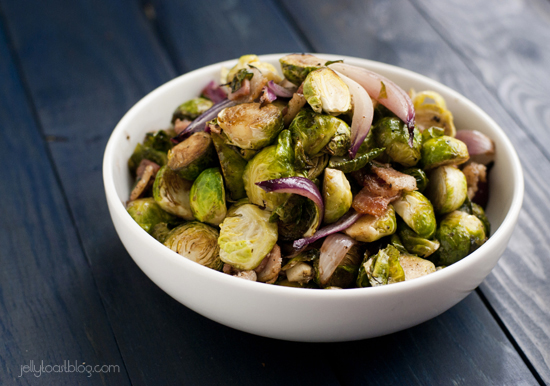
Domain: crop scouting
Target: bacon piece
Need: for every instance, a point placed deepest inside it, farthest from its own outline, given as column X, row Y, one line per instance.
column 476, row 174
column 143, row 164
column 294, row 105
column 374, row 198
column 242, row 92
column 395, row 179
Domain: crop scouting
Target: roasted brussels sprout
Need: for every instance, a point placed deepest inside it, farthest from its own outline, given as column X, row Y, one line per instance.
column 316, row 166
column 381, row 269
column 478, row 211
column 192, row 109
column 171, row 192
column 371, row 228
column 459, row 234
column 447, row 189
column 276, row 161
column 246, row 237
column 432, row 114
column 297, row 66
column 325, row 91
column 160, row 231
column 145, row 152
column 417, row 212
column 207, row 197
column 420, row 176
column 250, row 126
column 414, row 266
column 297, row 217
column 301, row 272
column 311, row 132
column 232, row 165
column 336, row 195
column 197, row 242
column 340, row 142
column 392, row 133
column 443, row 150
column 147, row 213
column 248, row 61
column 160, row 140
column 414, row 243
column 190, row 157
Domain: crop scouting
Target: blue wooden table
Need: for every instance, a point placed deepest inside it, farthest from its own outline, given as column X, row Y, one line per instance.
column 71, row 296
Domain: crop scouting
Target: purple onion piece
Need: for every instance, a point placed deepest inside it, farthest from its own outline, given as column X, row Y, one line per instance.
column 296, row 185
column 280, row 91
column 214, row 92
column 267, row 97
column 345, row 222
column 199, row 124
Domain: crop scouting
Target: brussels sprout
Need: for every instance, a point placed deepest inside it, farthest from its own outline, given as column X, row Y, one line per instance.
column 248, row 61
column 336, row 195
column 345, row 274
column 308, row 255
column 447, row 189
column 414, row 243
column 341, row 141
column 250, row 126
column 297, row 66
column 478, row 211
column 348, row 165
column 232, row 165
column 192, row 109
column 317, row 166
column 246, row 237
column 276, row 161
column 207, row 197
column 443, row 150
column 392, row 133
column 325, row 91
column 297, row 217
column 301, row 272
column 459, row 234
column 190, row 157
column 371, row 228
column 414, row 266
column 147, row 213
column 420, row 176
column 161, row 140
column 197, row 242
column 311, row 132
column 397, row 243
column 145, row 152
column 417, row 212
column 171, row 193
column 160, row 231
column 432, row 114
column 382, row 268
column 432, row 132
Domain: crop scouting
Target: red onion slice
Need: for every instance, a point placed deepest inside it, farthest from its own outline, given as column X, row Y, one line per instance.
column 199, row 124
column 296, row 185
column 334, row 249
column 345, row 222
column 214, row 92
column 394, row 97
column 280, row 91
column 267, row 97
column 362, row 114
column 480, row 147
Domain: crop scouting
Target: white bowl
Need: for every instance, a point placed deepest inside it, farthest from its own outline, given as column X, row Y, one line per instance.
column 307, row 314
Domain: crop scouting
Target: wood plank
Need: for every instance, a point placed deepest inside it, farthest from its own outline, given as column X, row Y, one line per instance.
column 397, row 34
column 102, row 57
column 50, row 310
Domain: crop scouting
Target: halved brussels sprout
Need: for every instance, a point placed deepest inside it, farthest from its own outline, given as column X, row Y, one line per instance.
column 192, row 109
column 420, row 176
column 145, row 152
column 297, row 66
column 392, row 133
column 248, row 61
column 340, row 142
column 147, row 213
column 371, row 228
column 381, row 269
column 447, row 189
column 232, row 165
column 276, row 161
column 478, row 211
column 311, row 132
column 417, row 212
column 171, row 192
column 246, row 237
column 432, row 114
column 160, row 231
column 301, row 272
column 443, row 150
column 297, row 217
column 190, row 157
column 459, row 234
column 414, row 243
column 207, row 197
column 325, row 91
column 160, row 140
column 197, row 242
column 414, row 266
column 250, row 126
column 317, row 166
column 336, row 195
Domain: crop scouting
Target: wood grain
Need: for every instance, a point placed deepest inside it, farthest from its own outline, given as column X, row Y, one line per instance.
column 50, row 310
column 397, row 34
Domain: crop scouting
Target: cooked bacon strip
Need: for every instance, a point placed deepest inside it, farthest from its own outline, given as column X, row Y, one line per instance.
column 181, row 125
column 395, row 179
column 475, row 174
column 269, row 268
column 143, row 164
column 294, row 105
column 374, row 198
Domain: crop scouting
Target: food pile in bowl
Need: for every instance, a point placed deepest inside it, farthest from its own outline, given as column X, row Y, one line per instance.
column 327, row 176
